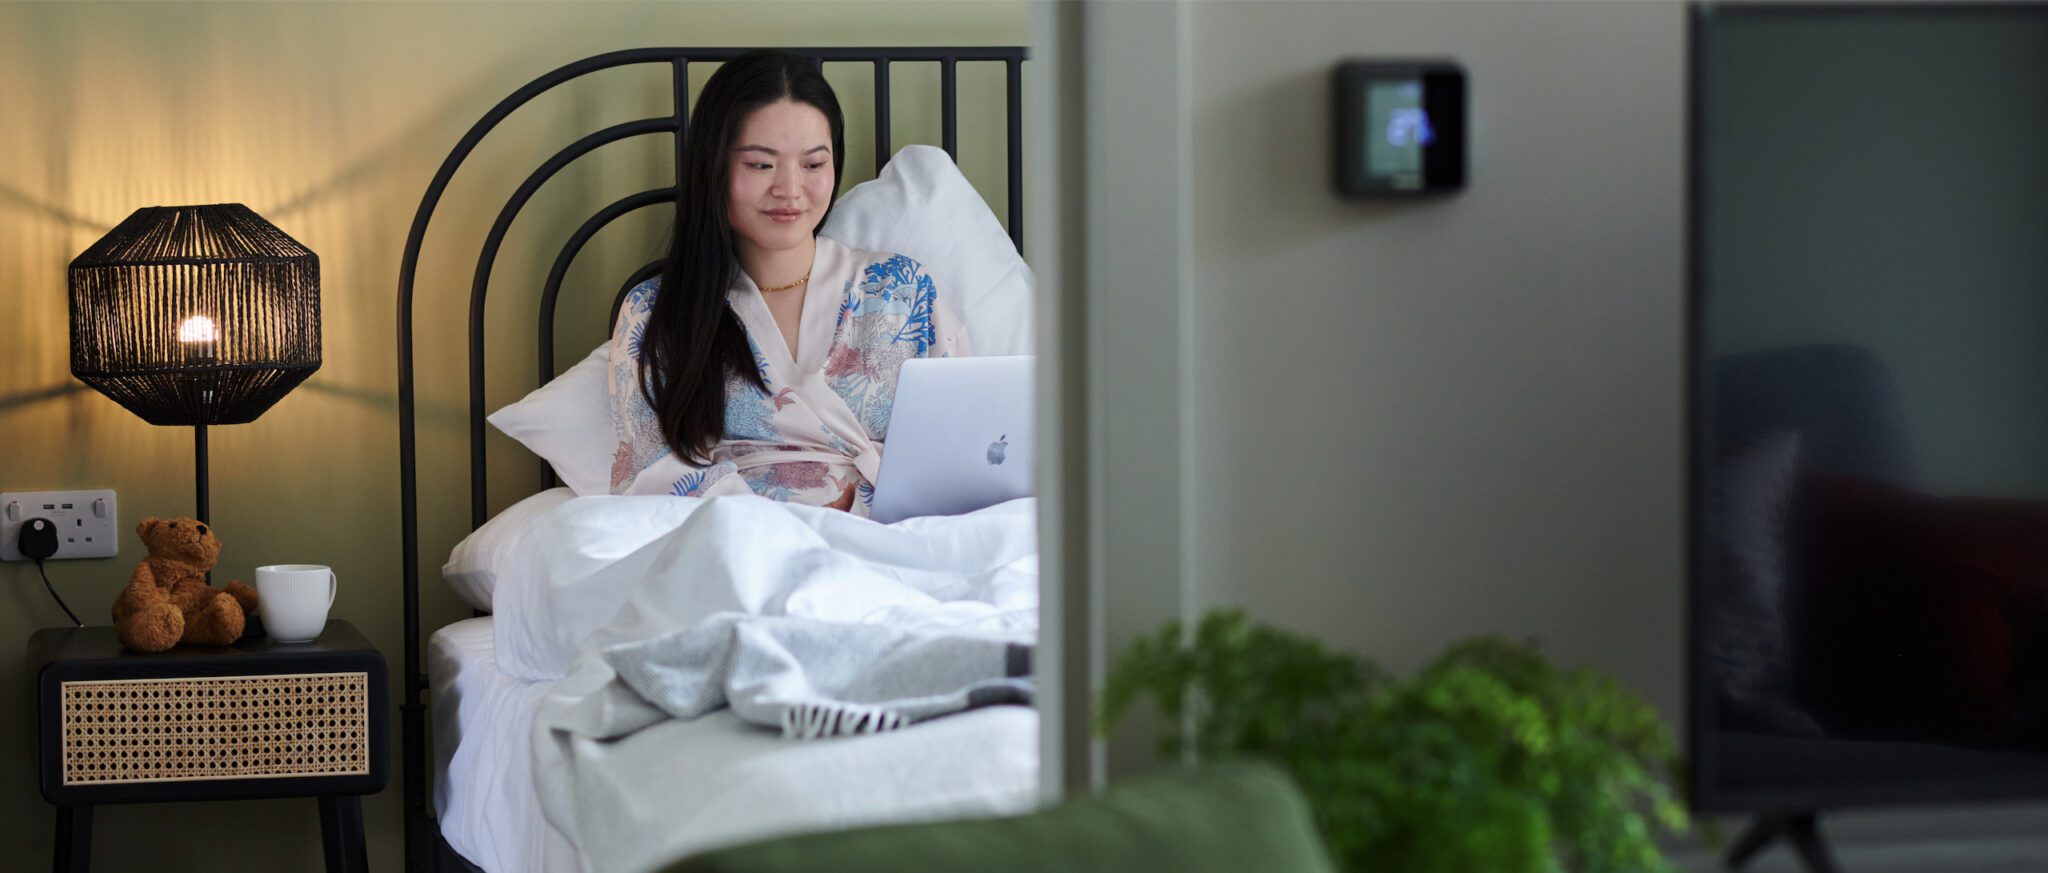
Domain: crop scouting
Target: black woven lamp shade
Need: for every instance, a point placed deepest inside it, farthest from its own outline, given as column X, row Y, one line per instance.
column 195, row 315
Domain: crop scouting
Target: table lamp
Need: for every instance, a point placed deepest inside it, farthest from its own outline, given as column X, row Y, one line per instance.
column 195, row 315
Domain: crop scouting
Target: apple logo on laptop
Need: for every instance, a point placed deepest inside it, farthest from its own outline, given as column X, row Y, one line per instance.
column 996, row 450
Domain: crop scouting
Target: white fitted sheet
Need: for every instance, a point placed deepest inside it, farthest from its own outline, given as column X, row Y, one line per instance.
column 484, row 794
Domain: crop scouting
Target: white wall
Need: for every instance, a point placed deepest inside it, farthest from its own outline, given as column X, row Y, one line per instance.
column 1419, row 421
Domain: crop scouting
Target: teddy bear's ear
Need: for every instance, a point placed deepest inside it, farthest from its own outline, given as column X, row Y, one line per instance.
column 143, row 527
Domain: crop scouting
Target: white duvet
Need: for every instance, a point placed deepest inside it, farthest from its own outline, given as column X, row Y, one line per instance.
column 603, row 570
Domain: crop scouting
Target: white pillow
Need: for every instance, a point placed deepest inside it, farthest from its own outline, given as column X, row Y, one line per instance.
column 568, row 422
column 922, row 207
column 486, row 554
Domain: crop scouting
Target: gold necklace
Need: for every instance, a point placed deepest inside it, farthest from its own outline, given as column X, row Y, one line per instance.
column 806, row 278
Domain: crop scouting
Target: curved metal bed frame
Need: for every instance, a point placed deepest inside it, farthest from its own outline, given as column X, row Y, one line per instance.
column 424, row 849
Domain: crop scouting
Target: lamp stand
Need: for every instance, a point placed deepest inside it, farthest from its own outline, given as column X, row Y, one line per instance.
column 199, row 459
column 199, row 456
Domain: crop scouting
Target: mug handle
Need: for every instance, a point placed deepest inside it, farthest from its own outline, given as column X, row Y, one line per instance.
column 333, row 585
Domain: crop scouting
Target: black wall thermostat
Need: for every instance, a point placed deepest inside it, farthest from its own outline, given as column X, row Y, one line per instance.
column 1400, row 128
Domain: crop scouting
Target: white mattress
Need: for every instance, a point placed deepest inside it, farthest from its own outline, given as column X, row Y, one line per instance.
column 699, row 784
column 483, row 757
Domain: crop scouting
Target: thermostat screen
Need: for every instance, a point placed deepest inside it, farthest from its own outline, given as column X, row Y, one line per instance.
column 1397, row 128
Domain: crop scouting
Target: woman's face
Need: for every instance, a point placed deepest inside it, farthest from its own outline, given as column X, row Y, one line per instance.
column 782, row 176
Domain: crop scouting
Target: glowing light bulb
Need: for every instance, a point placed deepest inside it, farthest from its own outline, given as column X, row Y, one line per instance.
column 197, row 329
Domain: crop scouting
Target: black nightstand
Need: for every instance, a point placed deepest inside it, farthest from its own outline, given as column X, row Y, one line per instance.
column 256, row 719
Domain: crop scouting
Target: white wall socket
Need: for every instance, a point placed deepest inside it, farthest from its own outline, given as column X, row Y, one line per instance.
column 88, row 522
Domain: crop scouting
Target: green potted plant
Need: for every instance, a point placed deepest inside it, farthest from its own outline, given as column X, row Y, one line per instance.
column 1488, row 759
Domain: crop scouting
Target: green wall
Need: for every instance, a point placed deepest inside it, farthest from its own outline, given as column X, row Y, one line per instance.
column 329, row 120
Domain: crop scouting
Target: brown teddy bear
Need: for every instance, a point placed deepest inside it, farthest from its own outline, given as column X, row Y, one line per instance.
column 167, row 600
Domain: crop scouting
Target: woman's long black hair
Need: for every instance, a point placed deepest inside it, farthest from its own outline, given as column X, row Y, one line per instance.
column 694, row 344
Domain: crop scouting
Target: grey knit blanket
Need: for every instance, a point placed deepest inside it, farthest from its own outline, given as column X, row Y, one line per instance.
column 811, row 678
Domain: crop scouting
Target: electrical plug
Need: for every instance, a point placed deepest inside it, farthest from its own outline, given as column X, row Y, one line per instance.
column 38, row 539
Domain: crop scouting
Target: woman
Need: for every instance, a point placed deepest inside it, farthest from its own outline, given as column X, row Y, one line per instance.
column 764, row 358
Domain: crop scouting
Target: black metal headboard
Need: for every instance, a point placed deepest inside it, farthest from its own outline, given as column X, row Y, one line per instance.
column 421, row 840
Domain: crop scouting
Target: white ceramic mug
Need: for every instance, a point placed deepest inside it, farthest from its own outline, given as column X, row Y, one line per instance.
column 294, row 599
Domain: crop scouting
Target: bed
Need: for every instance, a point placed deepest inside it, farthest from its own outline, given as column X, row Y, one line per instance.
column 485, row 812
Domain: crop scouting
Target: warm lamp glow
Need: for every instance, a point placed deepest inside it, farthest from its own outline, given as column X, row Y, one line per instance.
column 197, row 329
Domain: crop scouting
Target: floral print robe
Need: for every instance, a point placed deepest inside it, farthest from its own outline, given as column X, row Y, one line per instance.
column 821, row 423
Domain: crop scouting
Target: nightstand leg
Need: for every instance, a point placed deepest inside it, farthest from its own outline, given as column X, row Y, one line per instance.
column 74, row 839
column 341, row 834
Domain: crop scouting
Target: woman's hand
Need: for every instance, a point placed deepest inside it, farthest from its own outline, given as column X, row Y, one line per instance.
column 845, row 501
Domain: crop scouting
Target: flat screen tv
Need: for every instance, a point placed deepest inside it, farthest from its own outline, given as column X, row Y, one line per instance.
column 1868, row 409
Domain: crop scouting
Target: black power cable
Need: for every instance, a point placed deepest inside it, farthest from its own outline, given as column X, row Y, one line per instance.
column 60, row 598
column 39, row 541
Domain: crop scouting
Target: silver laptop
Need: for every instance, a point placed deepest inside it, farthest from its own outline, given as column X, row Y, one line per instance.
column 959, row 437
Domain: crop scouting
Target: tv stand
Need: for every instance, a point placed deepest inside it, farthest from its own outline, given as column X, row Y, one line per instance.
column 1802, row 829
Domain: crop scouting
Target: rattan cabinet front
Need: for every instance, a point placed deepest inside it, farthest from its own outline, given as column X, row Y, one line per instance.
column 223, row 727
column 253, row 720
